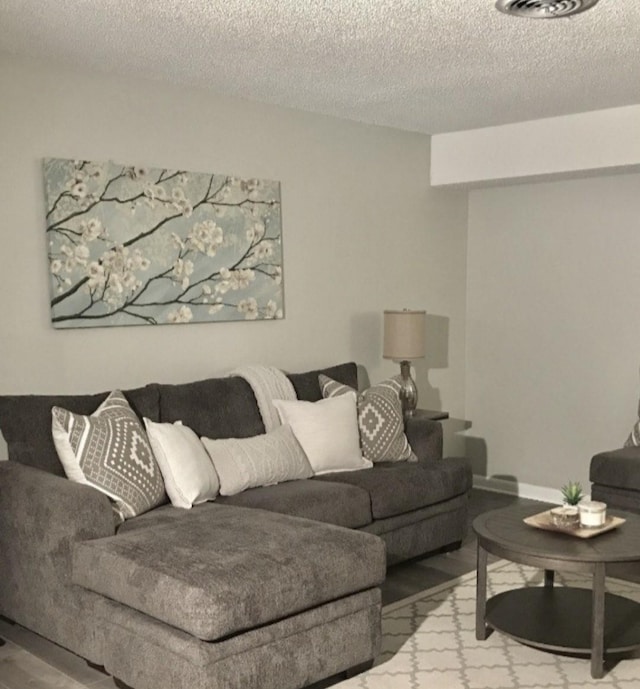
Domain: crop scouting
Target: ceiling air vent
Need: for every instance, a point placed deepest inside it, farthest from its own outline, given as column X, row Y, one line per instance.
column 541, row 9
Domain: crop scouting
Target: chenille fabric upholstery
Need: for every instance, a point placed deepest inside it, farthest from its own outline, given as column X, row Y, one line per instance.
column 147, row 654
column 307, row 385
column 231, row 569
column 398, row 488
column 41, row 518
column 331, row 503
column 25, row 421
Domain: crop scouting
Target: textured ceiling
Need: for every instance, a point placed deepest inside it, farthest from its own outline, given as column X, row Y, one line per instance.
column 423, row 65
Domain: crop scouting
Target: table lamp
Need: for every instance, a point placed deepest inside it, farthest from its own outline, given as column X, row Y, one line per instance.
column 404, row 333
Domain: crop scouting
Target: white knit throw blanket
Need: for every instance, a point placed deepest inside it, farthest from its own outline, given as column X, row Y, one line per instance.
column 268, row 383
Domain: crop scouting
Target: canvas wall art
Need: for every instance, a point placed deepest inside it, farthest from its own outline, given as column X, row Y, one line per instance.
column 143, row 246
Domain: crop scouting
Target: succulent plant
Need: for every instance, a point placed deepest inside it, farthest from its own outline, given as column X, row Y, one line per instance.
column 572, row 493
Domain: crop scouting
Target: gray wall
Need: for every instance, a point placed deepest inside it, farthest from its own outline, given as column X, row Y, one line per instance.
column 362, row 231
column 553, row 328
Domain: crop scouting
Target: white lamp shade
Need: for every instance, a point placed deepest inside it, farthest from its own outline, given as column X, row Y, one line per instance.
column 404, row 333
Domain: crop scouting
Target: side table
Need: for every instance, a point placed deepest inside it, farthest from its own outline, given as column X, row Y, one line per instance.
column 430, row 414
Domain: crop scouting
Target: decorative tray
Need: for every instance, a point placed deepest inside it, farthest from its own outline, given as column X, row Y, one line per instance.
column 543, row 521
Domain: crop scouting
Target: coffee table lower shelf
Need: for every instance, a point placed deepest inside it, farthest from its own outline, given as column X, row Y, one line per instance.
column 559, row 619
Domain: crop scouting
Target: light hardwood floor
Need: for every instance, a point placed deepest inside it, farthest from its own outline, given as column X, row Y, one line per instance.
column 27, row 661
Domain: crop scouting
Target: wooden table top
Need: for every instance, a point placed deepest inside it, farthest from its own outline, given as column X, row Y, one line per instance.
column 506, row 529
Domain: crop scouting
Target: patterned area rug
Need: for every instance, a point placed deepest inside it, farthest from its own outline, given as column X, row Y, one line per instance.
column 429, row 642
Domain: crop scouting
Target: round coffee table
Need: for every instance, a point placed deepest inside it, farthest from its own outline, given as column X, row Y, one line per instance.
column 561, row 618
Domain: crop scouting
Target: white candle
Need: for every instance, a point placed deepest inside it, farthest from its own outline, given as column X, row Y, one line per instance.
column 592, row 514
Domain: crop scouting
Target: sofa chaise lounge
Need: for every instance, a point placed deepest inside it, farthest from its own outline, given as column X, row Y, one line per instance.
column 274, row 588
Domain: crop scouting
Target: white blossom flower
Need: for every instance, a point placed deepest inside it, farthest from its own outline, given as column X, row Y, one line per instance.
column 184, row 207
column 235, row 279
column 79, row 190
column 160, row 192
column 182, row 268
column 249, row 307
column 81, row 254
column 206, row 237
column 115, row 283
column 96, row 275
column 91, row 229
column 182, row 315
column 215, row 308
column 270, row 309
column 56, row 266
column 256, row 232
column 206, row 289
column 264, row 250
column 130, row 281
column 177, row 194
column 277, row 275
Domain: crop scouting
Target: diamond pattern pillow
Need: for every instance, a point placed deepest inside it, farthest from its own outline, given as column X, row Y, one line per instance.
column 109, row 450
column 380, row 420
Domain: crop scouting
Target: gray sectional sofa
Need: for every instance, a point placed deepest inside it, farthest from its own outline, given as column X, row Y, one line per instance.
column 274, row 588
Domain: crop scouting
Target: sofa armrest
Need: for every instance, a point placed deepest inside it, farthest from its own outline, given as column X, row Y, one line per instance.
column 425, row 437
column 617, row 468
column 41, row 517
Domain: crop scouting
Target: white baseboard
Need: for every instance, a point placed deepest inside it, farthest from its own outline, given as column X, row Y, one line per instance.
column 523, row 490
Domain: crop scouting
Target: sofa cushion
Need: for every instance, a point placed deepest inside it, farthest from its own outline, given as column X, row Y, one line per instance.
column 262, row 460
column 617, row 468
column 215, row 407
column 380, row 419
column 401, row 487
column 25, row 421
column 109, row 450
column 333, row 503
column 229, row 569
column 307, row 386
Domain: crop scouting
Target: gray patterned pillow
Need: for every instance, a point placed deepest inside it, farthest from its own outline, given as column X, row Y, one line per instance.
column 380, row 419
column 109, row 450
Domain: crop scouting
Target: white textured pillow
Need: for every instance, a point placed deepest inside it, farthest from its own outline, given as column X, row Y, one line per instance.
column 189, row 475
column 327, row 431
column 262, row 460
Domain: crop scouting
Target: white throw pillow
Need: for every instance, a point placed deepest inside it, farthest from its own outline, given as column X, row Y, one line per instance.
column 262, row 460
column 189, row 475
column 327, row 431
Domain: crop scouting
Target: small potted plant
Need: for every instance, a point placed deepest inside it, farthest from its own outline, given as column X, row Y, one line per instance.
column 567, row 514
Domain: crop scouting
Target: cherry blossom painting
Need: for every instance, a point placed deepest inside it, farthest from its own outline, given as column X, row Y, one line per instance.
column 130, row 245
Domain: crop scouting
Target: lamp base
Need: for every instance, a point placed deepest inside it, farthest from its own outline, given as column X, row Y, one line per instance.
column 408, row 391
